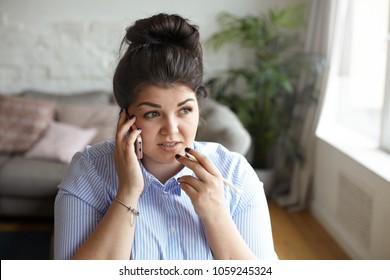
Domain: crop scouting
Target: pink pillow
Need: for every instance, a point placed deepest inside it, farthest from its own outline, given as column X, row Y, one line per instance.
column 61, row 142
column 23, row 121
column 102, row 117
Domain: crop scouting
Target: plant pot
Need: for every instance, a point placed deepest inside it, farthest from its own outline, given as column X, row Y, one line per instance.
column 267, row 177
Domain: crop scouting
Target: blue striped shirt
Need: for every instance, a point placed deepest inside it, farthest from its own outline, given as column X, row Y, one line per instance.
column 168, row 227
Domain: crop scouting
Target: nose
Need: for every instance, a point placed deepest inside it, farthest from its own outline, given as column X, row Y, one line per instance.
column 169, row 126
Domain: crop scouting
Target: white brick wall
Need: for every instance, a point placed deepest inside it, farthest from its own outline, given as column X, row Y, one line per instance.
column 63, row 46
column 64, row 56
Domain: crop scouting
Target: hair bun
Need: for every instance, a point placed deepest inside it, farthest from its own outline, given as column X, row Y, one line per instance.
column 162, row 50
column 163, row 29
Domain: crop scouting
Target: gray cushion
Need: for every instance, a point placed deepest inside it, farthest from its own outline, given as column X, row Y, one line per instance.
column 221, row 125
column 30, row 178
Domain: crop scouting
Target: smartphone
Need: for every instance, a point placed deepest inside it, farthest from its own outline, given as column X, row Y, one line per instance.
column 138, row 142
column 138, row 147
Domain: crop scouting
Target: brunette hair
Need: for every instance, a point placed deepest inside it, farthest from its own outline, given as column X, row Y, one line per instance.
column 161, row 50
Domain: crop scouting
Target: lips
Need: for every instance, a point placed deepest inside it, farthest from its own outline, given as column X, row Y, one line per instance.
column 169, row 145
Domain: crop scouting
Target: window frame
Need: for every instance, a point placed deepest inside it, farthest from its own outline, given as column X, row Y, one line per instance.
column 385, row 127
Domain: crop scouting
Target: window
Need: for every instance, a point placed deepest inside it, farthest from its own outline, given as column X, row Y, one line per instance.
column 359, row 83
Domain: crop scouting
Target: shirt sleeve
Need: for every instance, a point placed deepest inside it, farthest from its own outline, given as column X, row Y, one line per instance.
column 79, row 206
column 251, row 214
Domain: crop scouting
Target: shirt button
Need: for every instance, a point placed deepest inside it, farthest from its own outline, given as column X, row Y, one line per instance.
column 172, row 229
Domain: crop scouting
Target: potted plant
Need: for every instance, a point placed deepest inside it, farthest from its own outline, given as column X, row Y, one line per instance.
column 269, row 96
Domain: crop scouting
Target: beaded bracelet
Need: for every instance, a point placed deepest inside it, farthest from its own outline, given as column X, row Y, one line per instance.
column 131, row 209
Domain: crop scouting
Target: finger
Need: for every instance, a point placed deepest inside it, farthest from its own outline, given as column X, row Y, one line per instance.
column 204, row 161
column 124, row 126
column 125, row 149
column 195, row 166
column 118, row 152
column 133, row 135
column 189, row 190
column 125, row 140
column 192, row 181
column 121, row 119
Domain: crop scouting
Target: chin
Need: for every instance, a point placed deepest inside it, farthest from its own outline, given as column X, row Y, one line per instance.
column 160, row 159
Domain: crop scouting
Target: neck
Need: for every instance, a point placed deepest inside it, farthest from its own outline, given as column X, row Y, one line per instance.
column 162, row 172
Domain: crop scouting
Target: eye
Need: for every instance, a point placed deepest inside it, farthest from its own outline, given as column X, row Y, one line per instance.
column 152, row 114
column 185, row 110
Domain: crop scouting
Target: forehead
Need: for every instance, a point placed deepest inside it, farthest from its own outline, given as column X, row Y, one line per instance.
column 164, row 95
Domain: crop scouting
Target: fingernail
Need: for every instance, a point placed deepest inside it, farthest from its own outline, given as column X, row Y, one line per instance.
column 139, row 129
column 187, row 149
column 120, row 112
column 177, row 156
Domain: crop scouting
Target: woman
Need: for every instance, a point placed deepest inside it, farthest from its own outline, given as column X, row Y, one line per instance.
column 175, row 202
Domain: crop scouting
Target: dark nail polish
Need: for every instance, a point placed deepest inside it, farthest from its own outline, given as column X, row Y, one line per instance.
column 187, row 150
column 177, row 156
column 139, row 129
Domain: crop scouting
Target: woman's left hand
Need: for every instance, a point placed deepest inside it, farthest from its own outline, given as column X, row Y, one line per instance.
column 207, row 190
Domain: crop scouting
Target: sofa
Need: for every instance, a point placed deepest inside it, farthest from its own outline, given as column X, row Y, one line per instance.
column 40, row 132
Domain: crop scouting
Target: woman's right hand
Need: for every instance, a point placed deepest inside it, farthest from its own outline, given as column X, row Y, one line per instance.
column 127, row 166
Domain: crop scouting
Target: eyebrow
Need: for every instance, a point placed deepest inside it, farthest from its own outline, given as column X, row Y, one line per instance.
column 159, row 106
column 184, row 102
column 149, row 104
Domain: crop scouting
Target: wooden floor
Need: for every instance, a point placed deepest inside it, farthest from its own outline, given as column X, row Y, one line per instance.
column 298, row 236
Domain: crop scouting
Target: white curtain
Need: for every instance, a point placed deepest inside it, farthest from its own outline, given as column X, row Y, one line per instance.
column 324, row 17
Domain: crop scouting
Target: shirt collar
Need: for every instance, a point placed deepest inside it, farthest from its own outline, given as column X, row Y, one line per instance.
column 171, row 185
